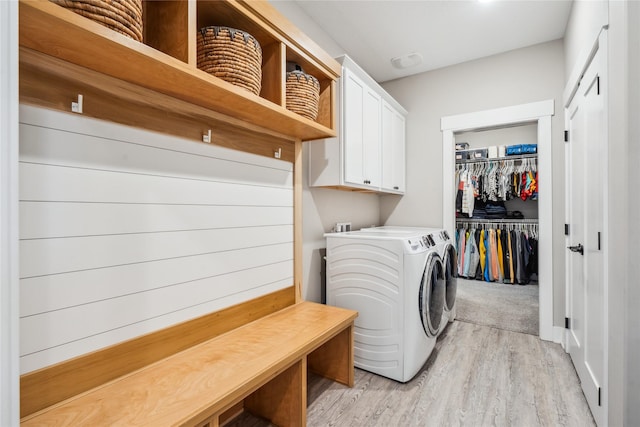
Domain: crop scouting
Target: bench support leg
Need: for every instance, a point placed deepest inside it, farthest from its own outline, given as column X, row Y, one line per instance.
column 283, row 400
column 334, row 359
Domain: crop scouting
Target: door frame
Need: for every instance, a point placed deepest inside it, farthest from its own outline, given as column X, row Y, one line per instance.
column 9, row 288
column 536, row 112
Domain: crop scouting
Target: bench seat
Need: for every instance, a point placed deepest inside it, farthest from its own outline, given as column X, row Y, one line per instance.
column 261, row 366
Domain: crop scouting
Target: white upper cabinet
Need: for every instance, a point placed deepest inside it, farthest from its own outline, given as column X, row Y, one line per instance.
column 393, row 154
column 368, row 153
column 361, row 132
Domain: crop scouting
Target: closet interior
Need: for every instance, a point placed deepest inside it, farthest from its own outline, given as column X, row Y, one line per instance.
column 496, row 204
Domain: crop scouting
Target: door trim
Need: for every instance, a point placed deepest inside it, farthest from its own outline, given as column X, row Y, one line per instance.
column 535, row 112
column 9, row 287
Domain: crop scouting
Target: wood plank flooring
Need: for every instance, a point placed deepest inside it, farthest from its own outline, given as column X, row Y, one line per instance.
column 476, row 376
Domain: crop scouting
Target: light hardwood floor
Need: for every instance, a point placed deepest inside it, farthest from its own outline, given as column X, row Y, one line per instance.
column 476, row 376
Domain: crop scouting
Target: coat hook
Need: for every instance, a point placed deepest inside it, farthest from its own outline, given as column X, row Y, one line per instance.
column 278, row 154
column 76, row 106
column 207, row 137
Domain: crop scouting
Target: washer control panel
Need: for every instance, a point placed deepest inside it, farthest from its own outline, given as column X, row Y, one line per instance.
column 421, row 243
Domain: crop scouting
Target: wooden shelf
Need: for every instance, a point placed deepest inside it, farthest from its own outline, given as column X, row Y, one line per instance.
column 168, row 67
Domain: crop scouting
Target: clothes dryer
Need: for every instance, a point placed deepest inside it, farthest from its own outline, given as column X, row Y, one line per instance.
column 396, row 282
column 447, row 251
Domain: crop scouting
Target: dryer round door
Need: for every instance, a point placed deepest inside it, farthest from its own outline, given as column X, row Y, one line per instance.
column 450, row 276
column 431, row 295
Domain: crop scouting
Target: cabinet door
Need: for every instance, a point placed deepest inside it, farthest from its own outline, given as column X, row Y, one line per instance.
column 361, row 132
column 393, row 149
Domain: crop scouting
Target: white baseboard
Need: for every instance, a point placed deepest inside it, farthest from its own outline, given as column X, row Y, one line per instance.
column 559, row 336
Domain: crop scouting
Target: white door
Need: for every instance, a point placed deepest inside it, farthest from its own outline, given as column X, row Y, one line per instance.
column 586, row 179
column 372, row 131
column 361, row 132
column 352, row 119
column 393, row 150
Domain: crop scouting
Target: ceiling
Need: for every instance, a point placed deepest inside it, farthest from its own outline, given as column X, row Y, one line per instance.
column 443, row 32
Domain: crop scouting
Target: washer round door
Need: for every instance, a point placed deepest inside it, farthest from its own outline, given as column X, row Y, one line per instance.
column 432, row 294
column 450, row 276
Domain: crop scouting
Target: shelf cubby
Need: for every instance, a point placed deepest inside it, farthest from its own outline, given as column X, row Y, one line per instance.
column 167, row 28
column 166, row 61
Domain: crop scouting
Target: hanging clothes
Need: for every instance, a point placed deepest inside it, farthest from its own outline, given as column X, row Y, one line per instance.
column 482, row 187
column 483, row 254
column 467, row 254
column 495, row 271
column 487, row 262
column 480, row 267
column 474, row 255
column 502, row 253
column 512, row 274
column 461, row 253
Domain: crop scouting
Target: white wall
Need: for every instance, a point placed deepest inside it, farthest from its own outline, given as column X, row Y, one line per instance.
column 586, row 19
column 525, row 75
column 153, row 228
column 9, row 290
column 300, row 19
column 322, row 208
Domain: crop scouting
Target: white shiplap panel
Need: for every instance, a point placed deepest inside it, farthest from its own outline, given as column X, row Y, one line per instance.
column 50, row 146
column 66, row 184
column 126, row 231
column 67, row 351
column 48, row 220
column 54, row 292
column 93, row 127
column 57, row 256
column 52, row 329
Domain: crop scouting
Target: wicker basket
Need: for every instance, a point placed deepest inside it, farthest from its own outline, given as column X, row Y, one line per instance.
column 303, row 94
column 232, row 55
column 123, row 16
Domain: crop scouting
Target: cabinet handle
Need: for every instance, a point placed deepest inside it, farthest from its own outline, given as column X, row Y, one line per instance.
column 395, row 187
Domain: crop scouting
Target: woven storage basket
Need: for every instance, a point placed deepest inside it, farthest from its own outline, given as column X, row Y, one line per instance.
column 303, row 94
column 232, row 55
column 123, row 16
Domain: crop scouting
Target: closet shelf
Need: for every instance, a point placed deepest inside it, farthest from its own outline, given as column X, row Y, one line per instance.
column 498, row 221
column 498, row 159
column 56, row 32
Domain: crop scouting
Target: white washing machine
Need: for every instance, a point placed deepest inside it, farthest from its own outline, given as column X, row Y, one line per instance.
column 447, row 251
column 395, row 280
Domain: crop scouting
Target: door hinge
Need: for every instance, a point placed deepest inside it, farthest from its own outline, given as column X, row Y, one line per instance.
column 566, row 136
column 567, row 323
column 599, row 396
column 599, row 240
column 598, row 85
column 566, row 229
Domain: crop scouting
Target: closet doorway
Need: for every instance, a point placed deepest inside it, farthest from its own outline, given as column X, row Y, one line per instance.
column 538, row 115
column 497, row 227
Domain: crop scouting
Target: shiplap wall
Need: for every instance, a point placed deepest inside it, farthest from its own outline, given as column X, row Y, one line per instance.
column 124, row 232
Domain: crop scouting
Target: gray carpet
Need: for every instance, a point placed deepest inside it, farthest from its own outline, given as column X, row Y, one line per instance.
column 509, row 307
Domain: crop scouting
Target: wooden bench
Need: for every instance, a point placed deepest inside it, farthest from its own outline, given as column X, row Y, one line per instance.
column 261, row 367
